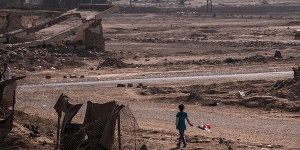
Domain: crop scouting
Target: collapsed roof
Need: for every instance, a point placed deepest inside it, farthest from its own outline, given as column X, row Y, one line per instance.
column 38, row 31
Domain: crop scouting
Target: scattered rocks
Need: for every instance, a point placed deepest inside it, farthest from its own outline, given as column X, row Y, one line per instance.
column 121, row 85
column 34, row 130
column 277, row 54
column 130, row 85
column 50, row 133
column 113, row 62
column 229, row 60
column 144, row 147
column 72, row 76
column 32, row 69
column 48, row 77
column 296, row 73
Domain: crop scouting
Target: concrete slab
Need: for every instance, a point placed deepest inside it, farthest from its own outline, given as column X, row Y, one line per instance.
column 69, row 23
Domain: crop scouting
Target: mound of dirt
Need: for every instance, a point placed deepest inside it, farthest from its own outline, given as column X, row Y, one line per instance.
column 113, row 62
column 257, row 94
column 133, row 10
column 293, row 23
column 266, row 102
column 161, row 90
column 289, row 89
column 256, row 58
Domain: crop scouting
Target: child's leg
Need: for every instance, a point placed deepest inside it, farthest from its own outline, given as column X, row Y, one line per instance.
column 181, row 138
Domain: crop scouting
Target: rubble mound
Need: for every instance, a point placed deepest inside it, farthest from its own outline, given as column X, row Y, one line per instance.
column 131, row 10
column 293, row 23
column 262, row 94
column 289, row 89
column 256, row 58
column 266, row 102
column 113, row 62
column 39, row 58
column 162, row 90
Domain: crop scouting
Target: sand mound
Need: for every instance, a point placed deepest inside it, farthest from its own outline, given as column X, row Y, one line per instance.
column 293, row 23
column 283, row 95
column 113, row 62
column 289, row 89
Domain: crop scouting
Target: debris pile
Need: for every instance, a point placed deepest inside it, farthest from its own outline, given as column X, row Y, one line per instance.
column 113, row 62
column 33, row 59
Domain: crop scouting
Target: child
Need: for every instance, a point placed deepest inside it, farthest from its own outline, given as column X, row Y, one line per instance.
column 180, row 124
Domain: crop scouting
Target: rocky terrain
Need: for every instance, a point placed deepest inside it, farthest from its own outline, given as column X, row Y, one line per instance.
column 159, row 42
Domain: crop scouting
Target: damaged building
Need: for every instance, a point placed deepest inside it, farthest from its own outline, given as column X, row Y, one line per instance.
column 34, row 27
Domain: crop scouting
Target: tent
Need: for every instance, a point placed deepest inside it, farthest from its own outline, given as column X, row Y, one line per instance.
column 7, row 100
column 97, row 130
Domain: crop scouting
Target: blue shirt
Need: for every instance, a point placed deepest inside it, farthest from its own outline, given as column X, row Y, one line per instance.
column 181, row 122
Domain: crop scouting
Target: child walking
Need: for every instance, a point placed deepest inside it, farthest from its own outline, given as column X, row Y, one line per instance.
column 180, row 124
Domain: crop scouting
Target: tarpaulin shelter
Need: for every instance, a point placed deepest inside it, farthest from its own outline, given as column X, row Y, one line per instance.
column 7, row 100
column 97, row 130
column 70, row 110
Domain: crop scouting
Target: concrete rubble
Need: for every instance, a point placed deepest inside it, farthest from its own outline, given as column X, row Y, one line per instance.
column 20, row 28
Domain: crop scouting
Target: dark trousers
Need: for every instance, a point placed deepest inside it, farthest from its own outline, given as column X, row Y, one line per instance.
column 181, row 136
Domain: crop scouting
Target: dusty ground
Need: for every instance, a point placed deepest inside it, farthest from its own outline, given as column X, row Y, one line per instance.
column 165, row 43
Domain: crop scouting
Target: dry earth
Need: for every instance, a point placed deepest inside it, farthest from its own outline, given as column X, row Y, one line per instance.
column 160, row 42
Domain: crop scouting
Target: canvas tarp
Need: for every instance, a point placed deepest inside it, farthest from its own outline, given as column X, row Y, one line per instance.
column 7, row 99
column 70, row 110
column 7, row 89
column 101, row 131
column 7, row 122
column 99, row 122
column 94, row 111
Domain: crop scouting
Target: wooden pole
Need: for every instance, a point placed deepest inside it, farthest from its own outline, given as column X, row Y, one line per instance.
column 14, row 101
column 58, row 125
column 211, row 6
column 119, row 131
column 134, row 133
column 207, row 6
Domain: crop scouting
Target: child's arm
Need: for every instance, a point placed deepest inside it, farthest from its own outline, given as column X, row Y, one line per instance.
column 188, row 120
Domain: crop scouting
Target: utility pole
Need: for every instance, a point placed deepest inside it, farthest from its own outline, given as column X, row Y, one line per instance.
column 209, row 3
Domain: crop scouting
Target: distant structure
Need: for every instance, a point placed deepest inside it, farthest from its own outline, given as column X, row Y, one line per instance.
column 209, row 5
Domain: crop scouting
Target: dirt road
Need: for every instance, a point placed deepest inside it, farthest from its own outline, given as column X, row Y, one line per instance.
column 237, row 124
column 256, row 128
column 170, row 77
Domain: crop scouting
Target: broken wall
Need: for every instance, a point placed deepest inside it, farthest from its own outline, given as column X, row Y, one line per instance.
column 94, row 36
column 3, row 24
column 11, row 20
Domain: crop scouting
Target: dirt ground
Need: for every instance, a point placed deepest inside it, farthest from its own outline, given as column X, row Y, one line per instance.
column 166, row 40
